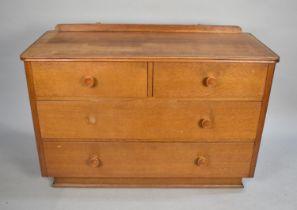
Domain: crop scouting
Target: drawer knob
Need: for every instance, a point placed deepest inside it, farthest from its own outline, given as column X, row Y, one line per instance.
column 92, row 119
column 200, row 161
column 210, row 81
column 205, row 123
column 94, row 161
column 89, row 81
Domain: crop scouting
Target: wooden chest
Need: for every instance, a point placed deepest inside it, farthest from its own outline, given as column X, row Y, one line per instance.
column 148, row 105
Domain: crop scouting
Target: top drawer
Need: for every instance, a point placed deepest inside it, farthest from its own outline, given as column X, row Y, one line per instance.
column 90, row 79
column 233, row 80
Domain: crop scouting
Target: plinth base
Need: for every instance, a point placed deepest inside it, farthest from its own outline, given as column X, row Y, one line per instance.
column 149, row 182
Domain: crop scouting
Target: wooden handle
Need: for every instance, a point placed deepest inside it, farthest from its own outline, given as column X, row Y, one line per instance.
column 210, row 81
column 91, row 119
column 201, row 160
column 94, row 161
column 88, row 81
column 205, row 123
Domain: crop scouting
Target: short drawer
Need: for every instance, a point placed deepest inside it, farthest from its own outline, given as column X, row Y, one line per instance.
column 150, row 119
column 210, row 80
column 116, row 159
column 90, row 79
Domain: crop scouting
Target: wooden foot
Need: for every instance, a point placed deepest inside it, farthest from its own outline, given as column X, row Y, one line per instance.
column 149, row 182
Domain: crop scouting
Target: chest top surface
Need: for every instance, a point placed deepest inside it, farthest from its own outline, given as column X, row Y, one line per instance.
column 148, row 42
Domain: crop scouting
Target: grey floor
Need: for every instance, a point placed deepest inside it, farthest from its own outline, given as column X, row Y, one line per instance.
column 21, row 187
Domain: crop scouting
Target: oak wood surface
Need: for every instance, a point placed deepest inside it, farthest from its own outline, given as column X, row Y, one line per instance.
column 150, row 76
column 148, row 45
column 149, row 119
column 148, row 28
column 70, row 159
column 32, row 97
column 64, row 79
column 264, row 106
column 123, row 105
column 149, row 182
column 237, row 80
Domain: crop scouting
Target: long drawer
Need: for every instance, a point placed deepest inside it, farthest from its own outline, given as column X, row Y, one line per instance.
column 89, row 79
column 115, row 159
column 150, row 119
column 208, row 80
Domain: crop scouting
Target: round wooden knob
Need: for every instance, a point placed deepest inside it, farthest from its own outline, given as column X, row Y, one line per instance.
column 92, row 119
column 210, row 81
column 94, row 161
column 200, row 161
column 89, row 81
column 205, row 123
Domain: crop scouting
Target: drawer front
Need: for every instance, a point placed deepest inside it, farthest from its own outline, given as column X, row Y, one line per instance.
column 233, row 80
column 149, row 119
column 115, row 159
column 90, row 79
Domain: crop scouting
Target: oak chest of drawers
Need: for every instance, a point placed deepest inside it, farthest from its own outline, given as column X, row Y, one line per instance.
column 148, row 105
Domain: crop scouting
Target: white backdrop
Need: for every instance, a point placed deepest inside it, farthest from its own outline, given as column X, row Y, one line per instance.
column 272, row 21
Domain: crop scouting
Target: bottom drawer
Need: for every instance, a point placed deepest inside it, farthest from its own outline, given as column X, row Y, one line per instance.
column 133, row 159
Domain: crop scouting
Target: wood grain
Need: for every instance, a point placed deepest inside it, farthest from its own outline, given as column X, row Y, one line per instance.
column 268, row 85
column 149, row 119
column 64, row 79
column 68, row 159
column 150, row 75
column 32, row 97
column 148, row 28
column 149, row 182
column 123, row 105
column 233, row 80
column 148, row 45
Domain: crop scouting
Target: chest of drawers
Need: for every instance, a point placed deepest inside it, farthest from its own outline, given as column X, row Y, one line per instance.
column 148, row 105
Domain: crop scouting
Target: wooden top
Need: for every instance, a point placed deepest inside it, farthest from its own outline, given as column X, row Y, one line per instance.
column 147, row 42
